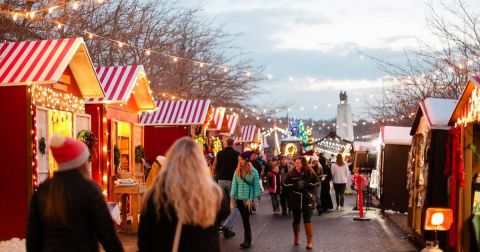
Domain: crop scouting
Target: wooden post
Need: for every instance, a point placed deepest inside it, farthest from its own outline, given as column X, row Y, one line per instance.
column 465, row 199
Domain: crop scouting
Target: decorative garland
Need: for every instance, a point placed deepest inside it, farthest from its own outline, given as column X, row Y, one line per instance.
column 116, row 157
column 139, row 154
column 90, row 140
column 473, row 147
column 217, row 145
column 42, row 146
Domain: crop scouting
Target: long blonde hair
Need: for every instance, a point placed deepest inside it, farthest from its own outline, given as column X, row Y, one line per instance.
column 241, row 171
column 186, row 185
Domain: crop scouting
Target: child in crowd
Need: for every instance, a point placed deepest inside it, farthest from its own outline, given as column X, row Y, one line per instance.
column 274, row 182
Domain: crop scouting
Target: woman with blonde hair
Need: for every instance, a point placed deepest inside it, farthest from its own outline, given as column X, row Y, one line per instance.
column 184, row 206
column 245, row 188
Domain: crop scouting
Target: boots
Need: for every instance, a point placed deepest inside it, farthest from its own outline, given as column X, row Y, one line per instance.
column 247, row 240
column 309, row 232
column 296, row 234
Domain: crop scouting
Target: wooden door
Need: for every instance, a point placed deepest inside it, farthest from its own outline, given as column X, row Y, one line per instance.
column 42, row 136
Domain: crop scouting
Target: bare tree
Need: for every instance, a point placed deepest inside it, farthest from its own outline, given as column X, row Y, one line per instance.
column 148, row 33
column 439, row 72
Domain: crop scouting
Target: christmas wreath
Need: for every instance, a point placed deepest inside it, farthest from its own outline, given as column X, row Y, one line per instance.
column 42, row 146
column 139, row 154
column 90, row 140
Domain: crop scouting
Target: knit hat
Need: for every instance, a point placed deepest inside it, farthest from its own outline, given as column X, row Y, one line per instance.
column 314, row 157
column 68, row 152
column 246, row 155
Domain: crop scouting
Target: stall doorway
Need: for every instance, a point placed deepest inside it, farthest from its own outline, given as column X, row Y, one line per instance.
column 59, row 122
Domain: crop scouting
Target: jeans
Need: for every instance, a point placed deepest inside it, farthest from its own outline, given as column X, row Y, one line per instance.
column 245, row 220
column 339, row 193
column 226, row 186
column 297, row 215
column 275, row 201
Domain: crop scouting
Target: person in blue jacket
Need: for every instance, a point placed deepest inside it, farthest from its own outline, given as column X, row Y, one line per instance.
column 245, row 187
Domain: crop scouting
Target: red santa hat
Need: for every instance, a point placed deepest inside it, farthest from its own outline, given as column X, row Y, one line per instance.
column 69, row 153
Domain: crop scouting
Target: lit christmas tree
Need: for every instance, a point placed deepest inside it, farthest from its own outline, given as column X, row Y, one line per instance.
column 297, row 128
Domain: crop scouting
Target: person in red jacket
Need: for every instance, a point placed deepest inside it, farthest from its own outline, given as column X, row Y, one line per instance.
column 274, row 186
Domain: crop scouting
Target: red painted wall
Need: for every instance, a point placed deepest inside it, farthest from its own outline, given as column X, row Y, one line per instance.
column 14, row 187
column 96, row 113
column 158, row 140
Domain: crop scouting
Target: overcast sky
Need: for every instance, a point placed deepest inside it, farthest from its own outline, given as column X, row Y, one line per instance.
column 314, row 49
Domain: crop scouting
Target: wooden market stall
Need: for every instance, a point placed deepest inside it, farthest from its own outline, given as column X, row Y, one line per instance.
column 248, row 139
column 170, row 121
column 42, row 87
column 392, row 159
column 115, row 122
column 426, row 181
column 215, row 128
column 463, row 169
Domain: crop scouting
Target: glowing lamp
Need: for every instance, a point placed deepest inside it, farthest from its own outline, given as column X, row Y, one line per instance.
column 438, row 219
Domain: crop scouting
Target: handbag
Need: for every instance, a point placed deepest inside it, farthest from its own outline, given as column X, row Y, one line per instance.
column 178, row 232
column 313, row 199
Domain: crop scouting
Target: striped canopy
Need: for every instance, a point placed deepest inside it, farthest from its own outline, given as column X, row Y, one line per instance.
column 248, row 134
column 118, row 82
column 177, row 112
column 218, row 117
column 44, row 62
column 232, row 123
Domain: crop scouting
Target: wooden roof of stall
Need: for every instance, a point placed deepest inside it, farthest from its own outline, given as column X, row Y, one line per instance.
column 464, row 102
column 436, row 111
column 218, row 119
column 44, row 62
column 121, row 82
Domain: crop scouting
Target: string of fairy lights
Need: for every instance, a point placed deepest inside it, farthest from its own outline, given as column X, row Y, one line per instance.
column 254, row 113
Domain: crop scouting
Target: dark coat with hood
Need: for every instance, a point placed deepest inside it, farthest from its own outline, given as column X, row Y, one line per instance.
column 299, row 186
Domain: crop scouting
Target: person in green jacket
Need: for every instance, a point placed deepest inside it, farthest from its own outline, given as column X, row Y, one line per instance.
column 245, row 187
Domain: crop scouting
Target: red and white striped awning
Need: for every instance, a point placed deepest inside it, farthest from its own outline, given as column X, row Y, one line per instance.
column 218, row 116
column 232, row 123
column 248, row 134
column 44, row 62
column 177, row 112
column 117, row 82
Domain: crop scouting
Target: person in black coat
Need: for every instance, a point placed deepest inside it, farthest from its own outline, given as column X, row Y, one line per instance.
column 300, row 183
column 185, row 200
column 68, row 211
column 325, row 198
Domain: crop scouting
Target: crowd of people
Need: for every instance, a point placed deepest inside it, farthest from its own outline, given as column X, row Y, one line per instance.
column 185, row 208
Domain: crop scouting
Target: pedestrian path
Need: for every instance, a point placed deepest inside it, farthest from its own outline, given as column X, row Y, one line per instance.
column 333, row 231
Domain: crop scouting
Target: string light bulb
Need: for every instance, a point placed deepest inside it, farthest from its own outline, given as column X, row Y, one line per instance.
column 120, row 44
column 50, row 10
column 147, row 52
column 175, row 59
column 75, row 5
column 15, row 16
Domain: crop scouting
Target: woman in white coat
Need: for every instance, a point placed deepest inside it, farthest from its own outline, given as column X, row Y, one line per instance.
column 340, row 175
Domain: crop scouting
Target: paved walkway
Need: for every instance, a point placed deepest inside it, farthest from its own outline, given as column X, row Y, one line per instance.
column 333, row 231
